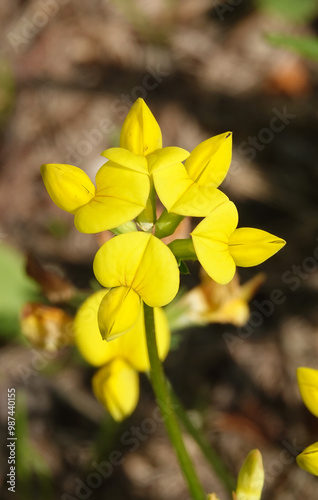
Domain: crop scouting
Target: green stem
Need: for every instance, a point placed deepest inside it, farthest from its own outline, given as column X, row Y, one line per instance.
column 183, row 249
column 124, row 228
column 167, row 224
column 212, row 457
column 166, row 406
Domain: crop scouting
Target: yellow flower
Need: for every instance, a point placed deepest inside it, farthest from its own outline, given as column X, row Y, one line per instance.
column 220, row 247
column 116, row 385
column 211, row 302
column 250, row 480
column 140, row 132
column 138, row 268
column 308, row 386
column 140, row 138
column 191, row 189
column 120, row 194
column 308, row 459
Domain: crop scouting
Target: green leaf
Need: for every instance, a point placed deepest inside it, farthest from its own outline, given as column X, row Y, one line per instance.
column 16, row 288
column 305, row 46
column 295, row 10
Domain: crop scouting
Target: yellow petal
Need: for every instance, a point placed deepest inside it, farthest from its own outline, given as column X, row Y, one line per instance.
column 68, row 186
column 181, row 195
column 87, row 334
column 308, row 386
column 308, row 459
column 209, row 162
column 140, row 132
column 250, row 480
column 166, row 157
column 120, row 196
column 140, row 261
column 210, row 240
column 118, row 312
column 199, row 201
column 250, row 246
column 127, row 159
column 116, row 386
column 134, row 345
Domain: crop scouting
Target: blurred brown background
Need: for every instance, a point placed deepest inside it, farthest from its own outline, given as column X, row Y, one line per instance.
column 69, row 72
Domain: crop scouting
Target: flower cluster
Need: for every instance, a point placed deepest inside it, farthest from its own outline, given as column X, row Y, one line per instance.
column 308, row 386
column 135, row 266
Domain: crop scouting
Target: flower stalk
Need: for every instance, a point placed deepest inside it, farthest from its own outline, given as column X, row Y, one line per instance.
column 167, row 224
column 165, row 404
column 124, row 228
column 183, row 249
column 209, row 453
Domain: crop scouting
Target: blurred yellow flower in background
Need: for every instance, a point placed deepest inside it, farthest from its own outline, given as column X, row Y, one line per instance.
column 116, row 384
column 211, row 302
column 46, row 327
column 308, row 387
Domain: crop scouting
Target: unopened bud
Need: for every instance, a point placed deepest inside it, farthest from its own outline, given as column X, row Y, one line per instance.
column 250, row 480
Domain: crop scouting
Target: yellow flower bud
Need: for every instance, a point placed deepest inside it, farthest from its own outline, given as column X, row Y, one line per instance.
column 308, row 459
column 308, row 386
column 140, row 132
column 250, row 480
